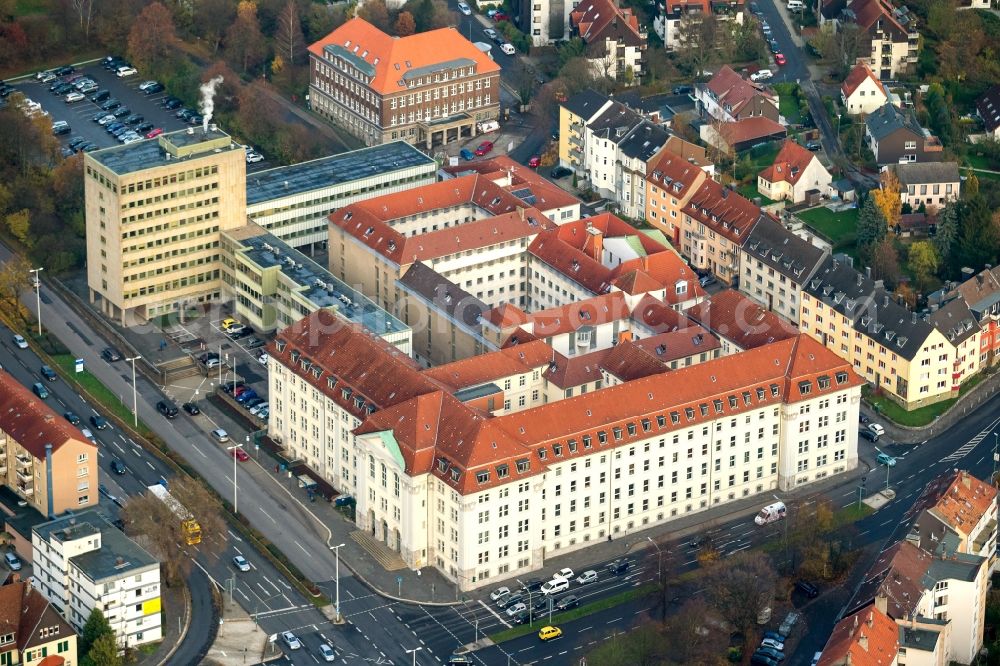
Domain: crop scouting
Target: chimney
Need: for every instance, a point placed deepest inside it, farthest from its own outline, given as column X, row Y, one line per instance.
column 594, row 246
column 881, row 603
column 966, row 481
column 863, row 641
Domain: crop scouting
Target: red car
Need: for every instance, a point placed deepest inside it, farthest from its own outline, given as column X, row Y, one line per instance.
column 535, row 162
column 484, row 148
column 155, row 133
column 779, row 58
column 500, row 16
column 240, row 454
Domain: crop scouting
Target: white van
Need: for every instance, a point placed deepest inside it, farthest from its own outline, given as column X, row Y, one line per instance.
column 555, row 586
column 795, row 5
column 771, row 513
column 487, row 126
column 507, row 48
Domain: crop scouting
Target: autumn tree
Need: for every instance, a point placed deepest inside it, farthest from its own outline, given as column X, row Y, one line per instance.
column 638, row 647
column 696, row 37
column 214, row 18
column 871, row 227
column 405, row 25
column 739, row 588
column 375, row 12
column 152, row 39
column 887, row 198
column 245, row 44
column 924, row 260
column 19, row 225
column 885, row 262
column 289, row 40
column 14, row 280
column 686, row 639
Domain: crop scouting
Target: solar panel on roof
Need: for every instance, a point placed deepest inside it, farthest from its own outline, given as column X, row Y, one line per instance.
column 525, row 195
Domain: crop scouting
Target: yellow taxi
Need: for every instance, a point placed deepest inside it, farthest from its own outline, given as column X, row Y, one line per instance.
column 549, row 633
column 228, row 323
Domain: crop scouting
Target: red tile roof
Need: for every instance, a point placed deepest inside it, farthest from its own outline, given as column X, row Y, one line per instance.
column 369, row 221
column 679, row 344
column 658, row 316
column 724, row 211
column 507, row 315
column 24, row 612
column 734, row 91
column 959, row 499
column 866, row 638
column 548, row 195
column 666, row 269
column 751, row 129
column 628, row 361
column 492, row 366
column 395, row 59
column 732, row 315
column 576, row 370
column 868, row 12
column 673, row 173
column 30, row 421
column 597, row 20
column 857, row 76
column 593, row 311
column 789, row 164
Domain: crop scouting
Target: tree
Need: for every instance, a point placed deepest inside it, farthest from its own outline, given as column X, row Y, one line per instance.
column 925, row 262
column 946, row 233
column 639, row 647
column 19, row 225
column 887, row 198
column 696, row 36
column 214, row 17
column 979, row 235
column 85, row 11
column 885, row 262
column 376, row 13
column 289, row 40
column 104, row 652
column 740, row 588
column 405, row 25
column 152, row 38
column 871, row 227
column 686, row 639
column 14, row 280
column 321, row 19
column 94, row 628
column 244, row 41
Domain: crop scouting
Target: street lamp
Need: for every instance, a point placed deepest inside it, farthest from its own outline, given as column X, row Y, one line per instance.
column 659, row 558
column 336, row 606
column 232, row 449
column 38, row 296
column 135, row 400
column 414, row 652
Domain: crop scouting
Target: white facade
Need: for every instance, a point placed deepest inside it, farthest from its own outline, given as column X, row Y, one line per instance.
column 866, row 98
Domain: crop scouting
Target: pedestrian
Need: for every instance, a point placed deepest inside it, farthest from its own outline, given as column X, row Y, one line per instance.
column 275, row 469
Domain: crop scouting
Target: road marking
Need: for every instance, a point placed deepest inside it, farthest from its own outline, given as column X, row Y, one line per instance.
column 971, row 444
column 495, row 614
column 204, row 456
column 137, row 453
column 150, row 465
column 303, row 549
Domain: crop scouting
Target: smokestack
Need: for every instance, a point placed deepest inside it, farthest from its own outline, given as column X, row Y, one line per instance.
column 208, row 101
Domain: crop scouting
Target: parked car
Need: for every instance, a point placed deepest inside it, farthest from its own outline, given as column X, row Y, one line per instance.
column 263, row 358
column 772, row 643
column 465, row 9
column 254, row 343
column 499, row 593
column 253, row 158
column 12, row 561
column 260, row 407
column 534, row 584
column 191, row 408
column 807, row 589
column 780, row 59
column 761, row 75
column 683, row 90
column 466, row 154
column 166, row 408
column 155, row 88
column 515, row 609
column 229, row 387
column 155, row 133
column 876, row 428
column 535, row 162
column 560, row 172
column 814, row 146
column 125, row 71
column 220, row 435
column 771, row 653
column 111, row 105
column 867, row 434
column 240, row 454
column 134, row 119
column 171, row 103
column 143, row 128
column 146, row 84
column 100, row 96
column 706, row 280
column 75, row 97
column 513, row 599
column 484, row 148
column 567, row 602
column 61, row 127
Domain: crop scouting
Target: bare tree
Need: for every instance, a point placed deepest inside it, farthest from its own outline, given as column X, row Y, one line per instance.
column 687, row 639
column 740, row 587
column 85, row 11
column 289, row 41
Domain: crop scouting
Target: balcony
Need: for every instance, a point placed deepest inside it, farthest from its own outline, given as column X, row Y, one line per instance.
column 25, row 476
column 576, row 140
column 576, row 127
column 23, row 461
column 26, row 489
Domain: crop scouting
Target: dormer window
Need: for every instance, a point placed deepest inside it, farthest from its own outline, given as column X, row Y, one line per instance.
column 805, row 388
column 503, row 471
column 442, row 465
column 482, row 477
column 523, row 465
column 774, row 390
column 618, row 433
column 841, row 377
column 732, row 402
column 455, row 473
column 557, row 450
column 718, row 405
column 689, row 413
column 675, row 417
column 661, row 421
column 824, row 382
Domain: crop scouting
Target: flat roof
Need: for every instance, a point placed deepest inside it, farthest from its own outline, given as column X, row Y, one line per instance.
column 152, row 153
column 322, row 288
column 333, row 170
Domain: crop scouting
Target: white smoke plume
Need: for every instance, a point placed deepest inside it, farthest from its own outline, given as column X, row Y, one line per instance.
column 208, row 100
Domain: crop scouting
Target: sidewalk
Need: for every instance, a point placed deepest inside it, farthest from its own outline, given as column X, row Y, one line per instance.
column 239, row 640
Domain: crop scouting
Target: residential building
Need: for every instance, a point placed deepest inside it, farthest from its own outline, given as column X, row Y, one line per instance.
column 862, row 92
column 668, row 22
column 615, row 42
column 735, row 137
column 154, row 212
column 44, row 460
column 447, row 486
column 794, row 174
column 890, row 43
column 430, row 88
column 867, row 637
column 574, row 115
column 957, row 513
column 894, row 136
column 988, row 108
column 31, row 631
column 447, row 320
column 936, row 592
column 715, row 224
column 82, row 562
column 548, row 20
column 273, row 285
column 635, row 152
column 524, row 183
column 467, row 229
column 930, row 184
column 776, row 264
column 907, row 358
column 958, row 324
column 671, row 181
column 728, row 97
column 981, row 293
column 739, row 323
column 292, row 202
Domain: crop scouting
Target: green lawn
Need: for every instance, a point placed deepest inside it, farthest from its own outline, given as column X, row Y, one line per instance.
column 788, row 101
column 989, row 176
column 917, row 417
column 750, row 192
column 108, row 400
column 576, row 613
column 838, row 227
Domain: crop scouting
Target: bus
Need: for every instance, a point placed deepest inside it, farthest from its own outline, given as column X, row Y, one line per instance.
column 190, row 526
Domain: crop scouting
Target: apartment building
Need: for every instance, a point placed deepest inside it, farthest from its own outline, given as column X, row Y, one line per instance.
column 292, row 202
column 547, row 20
column 931, row 185
column 776, row 264
column 739, row 323
column 899, row 352
column 958, row 324
column 870, row 637
column 273, row 285
column 715, row 224
column 429, row 89
column 891, row 43
column 44, row 460
column 981, row 294
column 154, row 212
column 988, row 108
column 671, row 181
column 957, row 513
column 574, row 115
column 467, row 229
column 32, row 632
column 862, row 92
column 728, row 97
column 483, row 498
column 667, row 23
column 895, row 136
column 616, row 43
column 82, row 562
column 795, row 174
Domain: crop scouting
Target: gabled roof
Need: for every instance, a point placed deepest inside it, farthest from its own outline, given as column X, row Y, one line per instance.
column 724, row 211
column 598, row 20
column 869, row 637
column 887, row 120
column 659, row 317
column 988, row 107
column 628, row 361
column 897, row 576
column 733, row 91
column 521, row 181
column 751, row 129
column 732, row 315
column 615, row 122
column 566, row 372
column 30, row 421
column 957, row 499
column 594, row 311
column 673, row 172
column 491, row 366
column 676, row 345
column 982, row 291
column 585, row 104
column 867, row 13
column 393, row 62
column 774, row 245
column 644, row 141
column 955, row 321
column 859, row 75
column 25, row 613
column 507, row 315
column 926, row 173
column 789, row 164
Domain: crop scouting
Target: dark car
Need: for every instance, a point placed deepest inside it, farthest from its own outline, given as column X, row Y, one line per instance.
column 114, row 127
column 540, row 603
column 134, row 119
column 171, row 103
column 814, row 146
column 511, row 600
column 144, row 127
column 110, row 354
column 49, row 373
column 254, row 343
column 194, row 119
column 72, row 418
column 246, row 395
column 344, row 500
column 87, row 147
column 771, row 653
column 207, row 356
column 76, row 141
column 867, row 434
column 184, row 113
column 62, row 88
column 117, row 466
column 244, row 332
column 64, row 70
column 166, row 408
column 100, row 96
column 567, row 602
column 518, row 618
column 99, row 422
column 253, row 402
column 62, row 129
column 229, row 387
column 534, row 584
column 760, row 659
column 191, row 408
column 561, row 172
column 774, row 46
column 683, row 90
column 807, row 589
column 111, row 104
column 122, row 111
column 155, row 88
column 619, row 567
